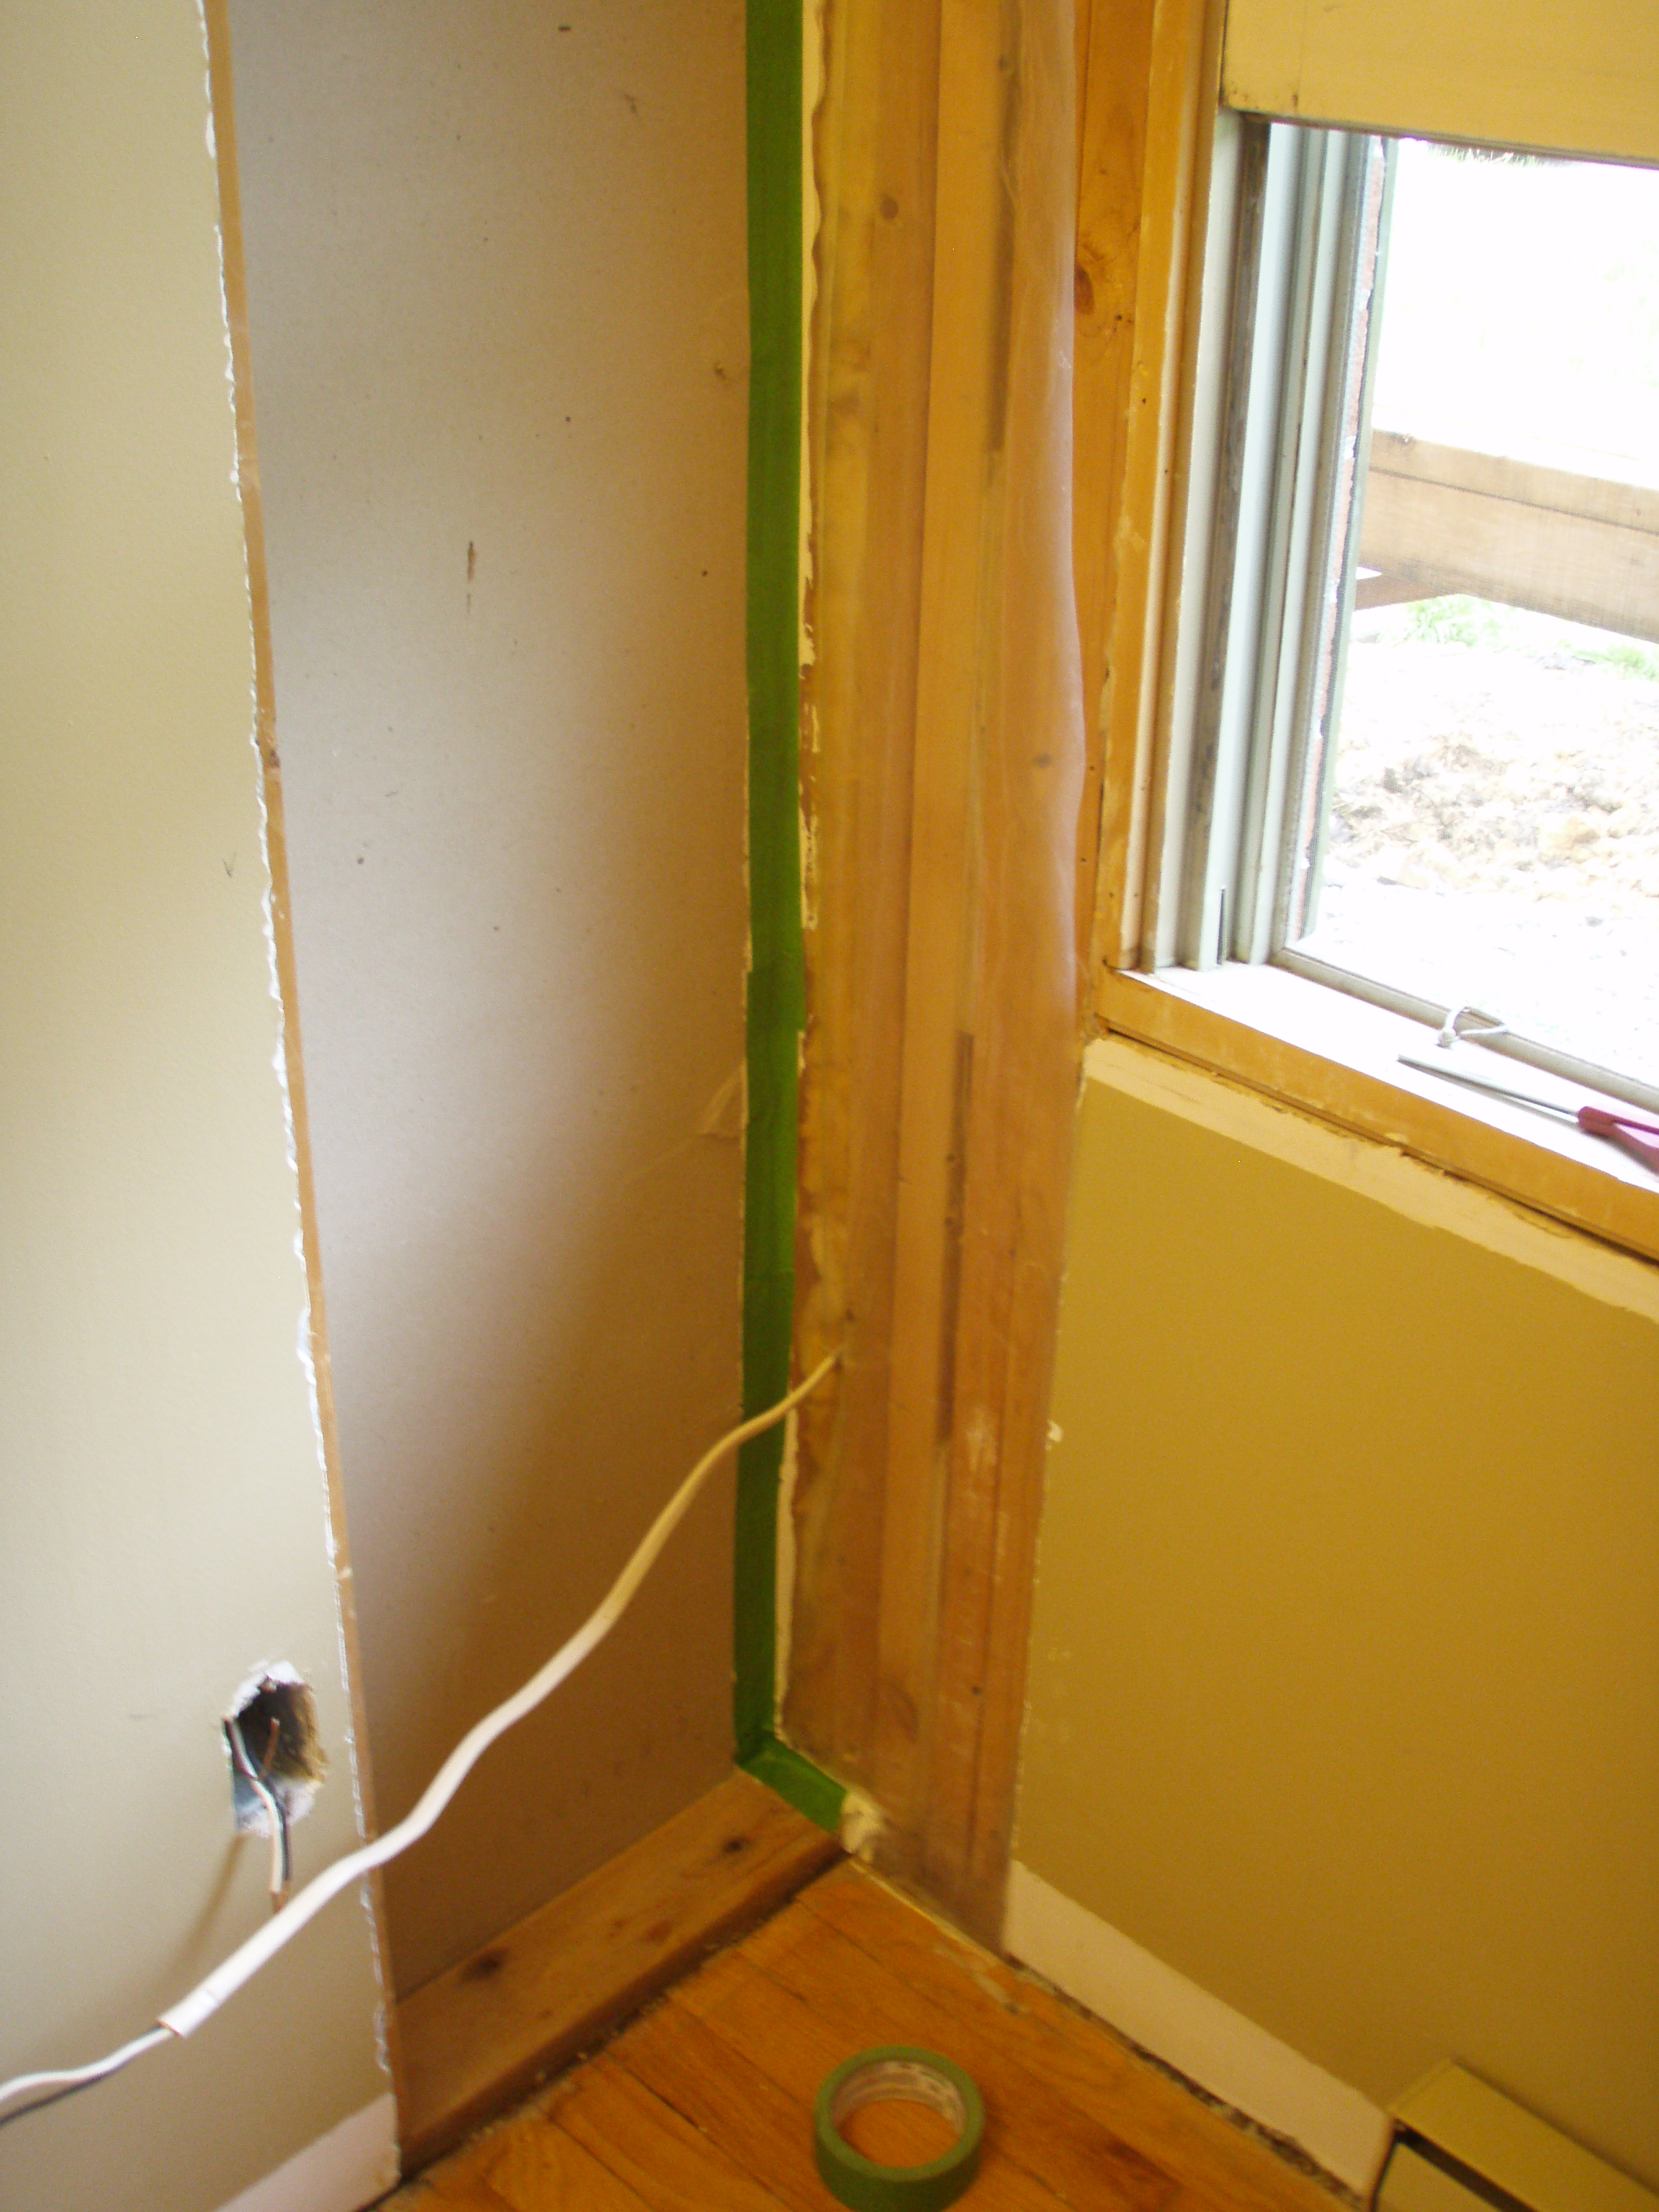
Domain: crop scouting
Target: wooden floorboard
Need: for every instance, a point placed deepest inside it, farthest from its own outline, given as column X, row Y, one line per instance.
column 704, row 2103
column 1101, row 2075
column 477, row 2038
column 760, row 2037
column 1057, row 2140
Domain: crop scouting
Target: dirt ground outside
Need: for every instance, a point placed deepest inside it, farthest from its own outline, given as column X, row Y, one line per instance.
column 1494, row 833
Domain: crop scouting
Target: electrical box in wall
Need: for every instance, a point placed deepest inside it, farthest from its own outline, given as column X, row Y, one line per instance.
column 1460, row 2145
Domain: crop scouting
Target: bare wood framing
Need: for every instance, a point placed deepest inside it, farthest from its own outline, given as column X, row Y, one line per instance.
column 938, row 1041
column 1183, row 65
column 1114, row 89
column 867, row 437
column 942, row 775
column 1445, row 519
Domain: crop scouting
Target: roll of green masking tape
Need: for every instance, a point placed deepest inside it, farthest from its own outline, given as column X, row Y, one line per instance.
column 897, row 2072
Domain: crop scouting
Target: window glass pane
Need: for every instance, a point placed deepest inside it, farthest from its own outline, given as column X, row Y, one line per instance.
column 1492, row 835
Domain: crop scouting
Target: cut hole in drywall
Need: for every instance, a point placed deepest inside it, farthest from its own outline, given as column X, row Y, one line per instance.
column 275, row 1715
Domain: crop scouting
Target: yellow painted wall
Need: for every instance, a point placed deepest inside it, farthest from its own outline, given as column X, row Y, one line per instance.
column 162, row 1512
column 1344, row 1672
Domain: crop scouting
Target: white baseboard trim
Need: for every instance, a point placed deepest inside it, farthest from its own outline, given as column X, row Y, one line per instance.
column 351, row 2166
column 1196, row 2034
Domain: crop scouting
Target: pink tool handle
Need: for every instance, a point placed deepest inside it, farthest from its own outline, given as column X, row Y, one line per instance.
column 1622, row 1132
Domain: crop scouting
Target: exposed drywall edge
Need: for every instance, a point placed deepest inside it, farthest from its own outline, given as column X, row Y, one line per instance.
column 353, row 2165
column 776, row 995
column 313, row 1344
column 1194, row 2032
column 798, row 1781
column 1379, row 1171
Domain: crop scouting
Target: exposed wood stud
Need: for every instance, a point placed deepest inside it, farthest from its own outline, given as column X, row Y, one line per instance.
column 942, row 788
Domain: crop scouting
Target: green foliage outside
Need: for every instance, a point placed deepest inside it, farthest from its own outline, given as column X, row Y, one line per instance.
column 1458, row 619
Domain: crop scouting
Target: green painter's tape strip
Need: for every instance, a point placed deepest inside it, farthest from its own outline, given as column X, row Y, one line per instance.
column 799, row 1782
column 776, row 989
column 897, row 2070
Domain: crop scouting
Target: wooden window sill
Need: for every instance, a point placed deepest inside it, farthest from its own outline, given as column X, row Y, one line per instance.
column 1337, row 1057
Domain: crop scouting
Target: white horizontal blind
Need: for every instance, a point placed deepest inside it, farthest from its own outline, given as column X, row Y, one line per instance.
column 1581, row 79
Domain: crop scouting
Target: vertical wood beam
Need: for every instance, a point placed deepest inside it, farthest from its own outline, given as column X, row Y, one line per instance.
column 1181, row 63
column 945, row 765
column 970, row 253
column 1114, row 54
column 867, row 430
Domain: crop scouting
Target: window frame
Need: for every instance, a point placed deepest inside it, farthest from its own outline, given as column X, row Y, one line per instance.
column 1156, row 668
column 1300, row 215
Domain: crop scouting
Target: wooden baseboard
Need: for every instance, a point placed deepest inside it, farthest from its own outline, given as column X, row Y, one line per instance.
column 481, row 2036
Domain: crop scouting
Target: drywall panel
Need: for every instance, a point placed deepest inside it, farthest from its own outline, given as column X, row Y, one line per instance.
column 163, row 1524
column 1344, row 1674
column 496, row 276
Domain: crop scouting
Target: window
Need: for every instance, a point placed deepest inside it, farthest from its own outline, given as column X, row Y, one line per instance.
column 1417, row 752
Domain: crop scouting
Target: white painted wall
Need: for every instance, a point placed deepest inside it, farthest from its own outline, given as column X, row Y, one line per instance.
column 162, row 1507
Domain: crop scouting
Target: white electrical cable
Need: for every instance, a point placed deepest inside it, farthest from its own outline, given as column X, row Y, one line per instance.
column 268, row 1799
column 81, row 2077
column 184, row 2017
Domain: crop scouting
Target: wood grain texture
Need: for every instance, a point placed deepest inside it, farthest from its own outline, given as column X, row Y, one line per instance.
column 943, row 791
column 479, row 2036
column 787, row 2043
column 750, row 2104
column 867, row 450
column 1445, row 520
column 859, row 1998
column 712, row 2091
column 1182, row 61
column 535, row 2168
column 673, row 2165
column 1114, row 94
column 1194, row 2146
column 936, row 1070
column 868, row 401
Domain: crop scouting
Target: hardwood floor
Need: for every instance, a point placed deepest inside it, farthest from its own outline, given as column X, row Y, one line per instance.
column 704, row 2103
column 481, row 2036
